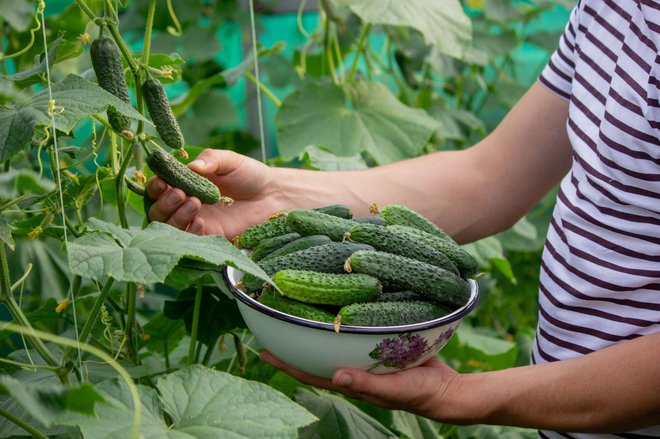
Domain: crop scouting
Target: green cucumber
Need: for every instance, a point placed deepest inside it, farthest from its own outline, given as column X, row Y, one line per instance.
column 400, row 296
column 300, row 244
column 434, row 283
column 371, row 219
column 326, row 258
column 327, row 288
column 388, row 313
column 275, row 300
column 270, row 245
column 401, row 215
column 465, row 263
column 390, row 240
column 107, row 65
column 276, row 226
column 178, row 175
column 310, row 222
column 161, row 113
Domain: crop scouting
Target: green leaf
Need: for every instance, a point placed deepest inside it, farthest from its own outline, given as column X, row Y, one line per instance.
column 443, row 23
column 338, row 418
column 486, row 47
column 206, row 403
column 485, row 348
column 5, row 233
column 15, row 182
column 219, row 314
column 489, row 251
column 321, row 159
column 147, row 255
column 501, row 10
column 364, row 116
column 59, row 50
column 45, row 402
column 415, row 427
column 75, row 98
column 18, row 13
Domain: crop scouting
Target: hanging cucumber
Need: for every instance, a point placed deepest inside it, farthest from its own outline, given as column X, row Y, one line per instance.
column 161, row 113
column 106, row 62
column 178, row 175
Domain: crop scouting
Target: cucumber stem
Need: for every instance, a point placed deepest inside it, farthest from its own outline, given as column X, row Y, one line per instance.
column 21, row 423
column 358, row 50
column 195, row 325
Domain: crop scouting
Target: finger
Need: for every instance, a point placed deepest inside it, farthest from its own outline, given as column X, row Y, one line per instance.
column 156, row 187
column 197, row 226
column 297, row 374
column 218, row 162
column 182, row 217
column 166, row 205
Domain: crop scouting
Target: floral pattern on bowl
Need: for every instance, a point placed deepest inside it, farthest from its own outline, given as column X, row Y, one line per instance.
column 399, row 352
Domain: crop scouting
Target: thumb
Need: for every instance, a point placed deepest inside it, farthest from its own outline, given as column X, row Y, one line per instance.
column 218, row 162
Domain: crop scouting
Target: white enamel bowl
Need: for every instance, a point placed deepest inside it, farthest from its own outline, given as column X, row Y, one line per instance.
column 316, row 348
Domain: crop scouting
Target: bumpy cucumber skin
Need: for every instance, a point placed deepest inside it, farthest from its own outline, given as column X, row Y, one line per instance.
column 327, row 258
column 106, row 62
column 161, row 113
column 389, row 313
column 435, row 283
column 301, row 243
column 278, row 302
column 402, row 215
column 177, row 175
column 371, row 219
column 268, row 246
column 327, row 288
column 252, row 236
column 391, row 241
column 465, row 263
column 400, row 296
column 310, row 222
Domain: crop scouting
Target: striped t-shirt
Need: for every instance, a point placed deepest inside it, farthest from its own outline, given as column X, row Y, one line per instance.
column 600, row 273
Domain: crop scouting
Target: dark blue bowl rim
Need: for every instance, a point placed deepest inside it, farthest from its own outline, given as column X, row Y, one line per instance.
column 449, row 318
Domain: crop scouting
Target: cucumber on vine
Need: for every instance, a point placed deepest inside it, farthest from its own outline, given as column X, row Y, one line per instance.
column 178, row 175
column 106, row 62
column 161, row 113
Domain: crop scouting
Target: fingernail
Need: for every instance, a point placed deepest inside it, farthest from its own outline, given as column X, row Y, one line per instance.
column 173, row 197
column 344, row 380
column 195, row 227
column 189, row 207
column 198, row 163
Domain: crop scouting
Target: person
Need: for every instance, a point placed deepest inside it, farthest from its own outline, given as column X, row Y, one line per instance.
column 590, row 124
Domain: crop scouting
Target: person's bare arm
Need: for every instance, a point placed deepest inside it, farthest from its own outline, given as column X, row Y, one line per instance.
column 613, row 390
column 471, row 193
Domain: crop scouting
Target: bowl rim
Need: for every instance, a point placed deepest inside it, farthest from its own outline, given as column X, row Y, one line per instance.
column 455, row 315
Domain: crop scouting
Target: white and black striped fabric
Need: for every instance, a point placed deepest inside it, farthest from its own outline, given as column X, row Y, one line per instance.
column 600, row 274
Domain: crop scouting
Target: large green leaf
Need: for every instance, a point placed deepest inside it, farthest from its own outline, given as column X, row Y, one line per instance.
column 338, row 418
column 207, row 403
column 45, row 402
column 487, row 350
column 415, row 427
column 148, row 255
column 443, row 23
column 202, row 403
column 18, row 13
column 75, row 98
column 320, row 159
column 15, row 182
column 364, row 116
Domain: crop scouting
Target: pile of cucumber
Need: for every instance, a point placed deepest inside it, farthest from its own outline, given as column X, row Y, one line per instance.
column 392, row 268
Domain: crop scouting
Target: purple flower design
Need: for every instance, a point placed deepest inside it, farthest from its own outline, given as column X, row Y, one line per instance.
column 398, row 352
column 444, row 337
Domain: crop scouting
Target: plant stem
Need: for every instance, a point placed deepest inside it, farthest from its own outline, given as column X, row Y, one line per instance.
column 195, row 325
column 363, row 37
column 83, row 6
column 95, row 312
column 119, row 187
column 8, row 299
column 10, row 203
column 21, row 423
column 131, row 307
column 264, row 89
column 147, row 32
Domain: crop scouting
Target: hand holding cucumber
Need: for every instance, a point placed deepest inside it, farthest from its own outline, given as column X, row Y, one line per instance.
column 241, row 178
